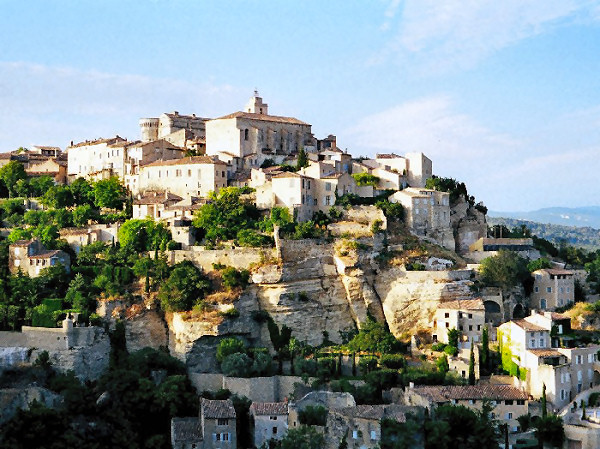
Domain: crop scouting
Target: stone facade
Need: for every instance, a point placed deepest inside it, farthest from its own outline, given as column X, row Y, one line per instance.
column 169, row 123
column 552, row 288
column 270, row 421
column 215, row 428
column 30, row 257
column 466, row 316
column 189, row 176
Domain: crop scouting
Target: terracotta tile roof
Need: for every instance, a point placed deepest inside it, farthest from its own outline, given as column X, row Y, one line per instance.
column 332, row 176
column 444, row 393
column 387, row 156
column 269, row 408
column 5, row 155
column 187, row 117
column 186, row 429
column 186, row 161
column 528, row 326
column 557, row 271
column 217, row 409
column 46, row 254
column 559, row 316
column 548, row 352
column 375, row 412
column 109, row 141
column 463, row 304
column 288, row 174
column 75, row 231
column 157, row 198
column 263, row 117
column 21, row 242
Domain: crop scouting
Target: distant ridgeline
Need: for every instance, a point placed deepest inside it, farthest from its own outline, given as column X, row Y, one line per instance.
column 585, row 237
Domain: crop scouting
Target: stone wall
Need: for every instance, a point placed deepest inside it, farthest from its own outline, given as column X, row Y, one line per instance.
column 14, row 399
column 235, row 257
column 257, row 389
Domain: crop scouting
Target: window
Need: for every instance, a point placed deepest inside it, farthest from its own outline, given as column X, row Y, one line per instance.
column 328, row 186
column 568, row 289
column 508, row 402
column 549, row 289
column 543, row 304
column 479, row 327
column 373, row 435
column 189, row 173
column 446, row 315
column 447, row 325
column 460, row 314
column 470, row 327
column 273, row 418
column 246, row 134
column 355, row 434
column 470, row 316
column 328, row 200
column 509, row 415
column 223, row 174
column 520, row 402
column 178, row 172
column 308, row 184
column 222, row 422
column 460, row 328
column 532, row 343
column 274, row 430
column 542, row 343
column 537, row 289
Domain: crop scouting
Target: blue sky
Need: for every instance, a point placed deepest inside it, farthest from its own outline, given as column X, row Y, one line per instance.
column 502, row 95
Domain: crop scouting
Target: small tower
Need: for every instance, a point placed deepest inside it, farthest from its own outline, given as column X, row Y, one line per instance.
column 256, row 106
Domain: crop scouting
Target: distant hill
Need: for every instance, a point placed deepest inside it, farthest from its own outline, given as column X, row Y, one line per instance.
column 583, row 236
column 566, row 216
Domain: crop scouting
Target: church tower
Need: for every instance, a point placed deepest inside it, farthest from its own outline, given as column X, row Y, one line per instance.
column 256, row 105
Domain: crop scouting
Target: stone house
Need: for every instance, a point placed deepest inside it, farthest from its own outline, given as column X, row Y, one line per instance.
column 508, row 402
column 97, row 159
column 45, row 150
column 31, row 257
column 168, row 125
column 55, row 168
column 328, row 399
column 487, row 247
column 214, row 429
column 152, row 204
column 427, row 213
column 255, row 132
column 78, row 237
column 552, row 288
column 467, row 316
column 537, row 351
column 270, row 421
column 361, row 425
column 189, row 176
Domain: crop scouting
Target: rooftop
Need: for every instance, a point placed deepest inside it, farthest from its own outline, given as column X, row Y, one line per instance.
column 387, row 156
column 376, row 412
column 524, row 324
column 186, row 429
column 156, row 198
column 109, row 141
column 46, row 254
column 214, row 409
column 547, row 352
column 186, row 161
column 22, row 242
column 263, row 117
column 269, row 408
column 463, row 304
column 444, row 393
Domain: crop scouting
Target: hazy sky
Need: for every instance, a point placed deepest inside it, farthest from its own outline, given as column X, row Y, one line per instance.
column 504, row 95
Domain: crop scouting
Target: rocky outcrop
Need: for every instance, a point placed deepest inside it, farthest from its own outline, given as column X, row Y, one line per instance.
column 468, row 224
column 14, row 399
column 147, row 328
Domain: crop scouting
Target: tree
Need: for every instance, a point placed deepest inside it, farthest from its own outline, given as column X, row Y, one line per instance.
column 109, row 193
column 225, row 215
column 82, row 214
column 484, row 355
column 538, row 264
column 10, row 174
column 505, row 270
column 143, row 267
column 57, row 197
column 143, row 235
column 237, row 365
column 229, row 346
column 544, row 403
column 303, row 437
column 82, row 192
column 550, row 429
column 374, row 337
column 302, row 159
column 442, row 364
column 453, row 336
column 365, row 179
column 472, row 366
column 39, row 185
column 185, row 287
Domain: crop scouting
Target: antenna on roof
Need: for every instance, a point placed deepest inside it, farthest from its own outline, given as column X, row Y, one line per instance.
column 256, row 92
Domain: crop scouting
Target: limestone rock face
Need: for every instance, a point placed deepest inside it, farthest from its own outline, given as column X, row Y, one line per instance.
column 409, row 298
column 88, row 362
column 13, row 399
column 146, row 329
column 468, row 223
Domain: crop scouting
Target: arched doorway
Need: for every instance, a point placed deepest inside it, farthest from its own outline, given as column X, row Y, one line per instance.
column 518, row 311
column 493, row 313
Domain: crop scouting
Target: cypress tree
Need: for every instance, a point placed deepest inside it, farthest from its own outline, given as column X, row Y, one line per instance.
column 472, row 366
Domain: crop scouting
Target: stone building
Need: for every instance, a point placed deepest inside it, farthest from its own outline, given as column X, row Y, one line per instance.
column 508, row 402
column 427, row 213
column 168, row 125
column 57, row 169
column 31, row 257
column 46, row 150
column 487, row 247
column 189, row 176
column 97, row 159
column 256, row 134
column 536, row 350
column 361, row 425
column 270, row 421
column 466, row 316
column 78, row 237
column 152, row 204
column 328, row 399
column 552, row 288
column 214, row 429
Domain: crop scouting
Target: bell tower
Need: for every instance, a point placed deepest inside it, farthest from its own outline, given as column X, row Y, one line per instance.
column 256, row 106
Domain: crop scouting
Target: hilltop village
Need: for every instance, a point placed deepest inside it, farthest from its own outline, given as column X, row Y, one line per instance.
column 236, row 282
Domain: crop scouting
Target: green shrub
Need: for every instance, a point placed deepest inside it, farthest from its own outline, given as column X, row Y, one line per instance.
column 392, row 361
column 593, row 399
column 230, row 313
column 376, row 226
column 237, row 365
column 306, row 367
column 229, row 346
column 451, row 350
column 252, row 238
column 367, row 364
column 313, row 415
column 233, row 278
column 438, row 347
